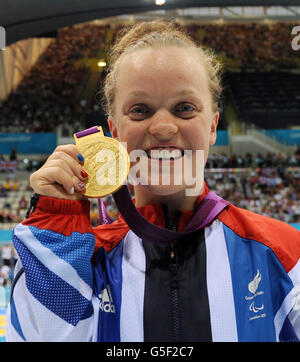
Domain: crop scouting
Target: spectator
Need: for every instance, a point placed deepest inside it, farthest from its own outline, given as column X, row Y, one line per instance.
column 5, row 271
column 23, row 203
column 13, row 155
column 7, row 184
column 6, row 256
column 15, row 186
column 3, row 191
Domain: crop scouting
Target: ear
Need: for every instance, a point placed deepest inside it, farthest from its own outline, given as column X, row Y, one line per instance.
column 213, row 129
column 113, row 129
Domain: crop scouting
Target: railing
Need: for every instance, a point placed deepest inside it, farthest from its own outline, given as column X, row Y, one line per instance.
column 258, row 133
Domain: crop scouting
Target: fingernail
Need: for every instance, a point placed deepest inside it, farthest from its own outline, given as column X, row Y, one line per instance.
column 81, row 185
column 80, row 157
column 72, row 190
column 84, row 174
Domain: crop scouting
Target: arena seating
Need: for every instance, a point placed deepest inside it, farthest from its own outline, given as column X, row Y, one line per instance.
column 52, row 93
column 11, row 206
column 266, row 99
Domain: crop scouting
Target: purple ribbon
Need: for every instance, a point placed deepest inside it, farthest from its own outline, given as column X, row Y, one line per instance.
column 104, row 218
column 87, row 131
column 206, row 211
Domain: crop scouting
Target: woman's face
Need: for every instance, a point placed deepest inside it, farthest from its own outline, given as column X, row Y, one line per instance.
column 163, row 107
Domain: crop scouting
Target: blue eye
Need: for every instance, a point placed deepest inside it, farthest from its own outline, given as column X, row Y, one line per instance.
column 185, row 108
column 139, row 112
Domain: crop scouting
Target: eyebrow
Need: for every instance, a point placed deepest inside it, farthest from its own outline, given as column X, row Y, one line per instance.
column 145, row 94
column 138, row 94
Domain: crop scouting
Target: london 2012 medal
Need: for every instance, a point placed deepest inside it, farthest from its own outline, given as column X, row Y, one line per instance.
column 105, row 160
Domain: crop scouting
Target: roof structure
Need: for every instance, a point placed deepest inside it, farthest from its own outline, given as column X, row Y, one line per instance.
column 34, row 18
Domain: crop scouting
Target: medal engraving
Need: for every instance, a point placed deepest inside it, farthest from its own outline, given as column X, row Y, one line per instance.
column 105, row 160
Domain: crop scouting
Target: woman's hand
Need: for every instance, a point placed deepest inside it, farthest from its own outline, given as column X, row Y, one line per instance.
column 62, row 175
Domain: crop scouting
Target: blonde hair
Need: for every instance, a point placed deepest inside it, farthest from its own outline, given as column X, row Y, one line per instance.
column 157, row 33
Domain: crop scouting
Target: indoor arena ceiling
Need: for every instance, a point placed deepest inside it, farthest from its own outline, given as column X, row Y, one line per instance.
column 31, row 18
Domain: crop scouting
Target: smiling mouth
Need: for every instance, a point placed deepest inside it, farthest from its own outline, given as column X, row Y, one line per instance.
column 165, row 154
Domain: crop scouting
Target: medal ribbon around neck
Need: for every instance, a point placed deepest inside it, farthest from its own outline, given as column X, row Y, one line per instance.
column 90, row 143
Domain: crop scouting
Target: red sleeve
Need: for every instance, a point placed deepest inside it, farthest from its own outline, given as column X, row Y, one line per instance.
column 61, row 216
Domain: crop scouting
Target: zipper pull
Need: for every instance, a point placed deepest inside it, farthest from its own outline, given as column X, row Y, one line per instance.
column 172, row 251
column 172, row 244
column 33, row 202
column 172, row 254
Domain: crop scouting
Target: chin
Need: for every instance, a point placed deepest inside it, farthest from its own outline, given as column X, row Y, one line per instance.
column 164, row 190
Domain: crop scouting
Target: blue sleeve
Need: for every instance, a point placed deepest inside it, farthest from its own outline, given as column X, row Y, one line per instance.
column 52, row 294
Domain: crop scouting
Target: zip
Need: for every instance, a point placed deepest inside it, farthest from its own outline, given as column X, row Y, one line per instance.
column 174, row 279
column 174, row 285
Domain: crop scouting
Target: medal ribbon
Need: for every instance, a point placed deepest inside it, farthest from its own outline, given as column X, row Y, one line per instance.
column 206, row 211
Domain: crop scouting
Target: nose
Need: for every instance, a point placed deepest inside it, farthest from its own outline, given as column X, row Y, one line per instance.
column 163, row 125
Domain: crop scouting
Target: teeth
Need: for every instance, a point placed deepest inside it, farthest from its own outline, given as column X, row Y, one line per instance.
column 165, row 154
column 176, row 154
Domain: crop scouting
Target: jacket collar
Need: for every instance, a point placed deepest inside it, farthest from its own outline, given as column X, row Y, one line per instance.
column 157, row 213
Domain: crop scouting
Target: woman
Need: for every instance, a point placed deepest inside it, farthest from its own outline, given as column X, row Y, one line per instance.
column 236, row 279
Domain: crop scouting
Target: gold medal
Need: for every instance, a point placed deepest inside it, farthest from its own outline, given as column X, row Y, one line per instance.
column 105, row 160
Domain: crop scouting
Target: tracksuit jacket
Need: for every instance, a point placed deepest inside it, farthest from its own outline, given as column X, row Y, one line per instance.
column 238, row 279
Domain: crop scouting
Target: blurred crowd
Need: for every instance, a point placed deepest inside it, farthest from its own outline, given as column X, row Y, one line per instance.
column 259, row 160
column 267, row 184
column 271, row 191
column 251, row 45
column 51, row 93
column 13, row 203
column 248, row 45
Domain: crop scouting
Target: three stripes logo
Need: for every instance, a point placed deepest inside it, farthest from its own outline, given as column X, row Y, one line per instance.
column 106, row 301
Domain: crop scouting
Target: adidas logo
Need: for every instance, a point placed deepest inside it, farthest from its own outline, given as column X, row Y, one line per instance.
column 105, row 301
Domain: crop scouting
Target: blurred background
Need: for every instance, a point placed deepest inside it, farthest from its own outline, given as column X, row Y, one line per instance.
column 53, row 64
